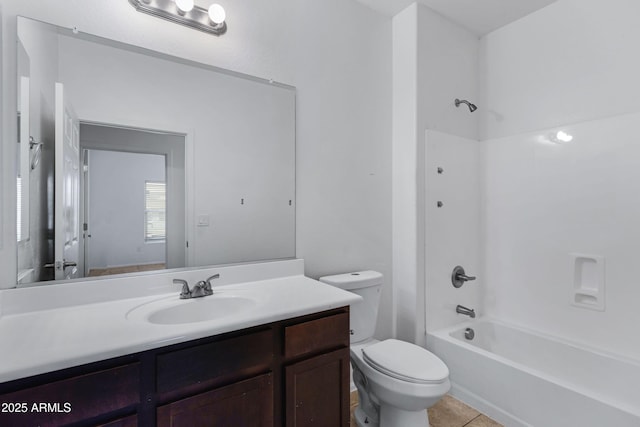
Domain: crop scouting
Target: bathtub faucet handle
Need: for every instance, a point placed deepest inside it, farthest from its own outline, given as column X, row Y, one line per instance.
column 459, row 277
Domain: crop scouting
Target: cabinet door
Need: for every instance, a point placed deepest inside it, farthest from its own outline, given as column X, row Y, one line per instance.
column 317, row 391
column 246, row 403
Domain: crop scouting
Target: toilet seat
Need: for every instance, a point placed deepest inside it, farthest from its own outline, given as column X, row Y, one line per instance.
column 406, row 362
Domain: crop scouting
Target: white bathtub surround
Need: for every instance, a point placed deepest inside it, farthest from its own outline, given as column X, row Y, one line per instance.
column 571, row 63
column 558, row 165
column 76, row 323
column 544, row 202
column 521, row 377
column 452, row 232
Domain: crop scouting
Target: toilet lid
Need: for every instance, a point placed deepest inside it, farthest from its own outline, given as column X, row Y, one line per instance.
column 406, row 362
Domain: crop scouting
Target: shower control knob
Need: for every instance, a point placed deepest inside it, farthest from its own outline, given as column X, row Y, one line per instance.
column 458, row 277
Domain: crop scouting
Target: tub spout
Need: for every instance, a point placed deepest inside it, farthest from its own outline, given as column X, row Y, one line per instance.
column 466, row 311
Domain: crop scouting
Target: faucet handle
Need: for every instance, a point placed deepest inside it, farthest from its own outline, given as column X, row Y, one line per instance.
column 207, row 284
column 459, row 277
column 185, row 293
column 215, row 276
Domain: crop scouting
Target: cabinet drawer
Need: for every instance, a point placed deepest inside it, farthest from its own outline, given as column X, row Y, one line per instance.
column 204, row 366
column 74, row 399
column 316, row 335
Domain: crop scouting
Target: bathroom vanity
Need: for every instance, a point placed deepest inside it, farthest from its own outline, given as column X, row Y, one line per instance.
column 282, row 362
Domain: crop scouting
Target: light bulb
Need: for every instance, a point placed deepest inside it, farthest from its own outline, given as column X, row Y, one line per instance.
column 217, row 14
column 185, row 5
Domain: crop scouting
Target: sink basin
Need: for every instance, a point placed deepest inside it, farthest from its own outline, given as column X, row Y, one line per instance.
column 174, row 311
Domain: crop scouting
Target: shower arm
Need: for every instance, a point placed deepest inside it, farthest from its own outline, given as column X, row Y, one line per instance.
column 472, row 107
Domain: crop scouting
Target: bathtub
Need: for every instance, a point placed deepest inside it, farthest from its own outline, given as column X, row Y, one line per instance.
column 524, row 378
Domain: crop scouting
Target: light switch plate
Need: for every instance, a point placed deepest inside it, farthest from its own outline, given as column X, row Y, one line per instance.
column 203, row 220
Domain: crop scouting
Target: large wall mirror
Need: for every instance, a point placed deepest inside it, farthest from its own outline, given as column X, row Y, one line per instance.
column 130, row 160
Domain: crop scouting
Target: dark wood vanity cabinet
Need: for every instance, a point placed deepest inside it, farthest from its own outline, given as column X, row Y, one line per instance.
column 288, row 373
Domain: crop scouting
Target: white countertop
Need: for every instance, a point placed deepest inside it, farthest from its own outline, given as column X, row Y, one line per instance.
column 49, row 339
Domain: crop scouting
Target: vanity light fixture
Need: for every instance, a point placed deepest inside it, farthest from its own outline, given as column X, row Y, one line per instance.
column 184, row 6
column 186, row 12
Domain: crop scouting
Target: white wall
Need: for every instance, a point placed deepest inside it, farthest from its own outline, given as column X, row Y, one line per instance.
column 116, row 209
column 448, row 69
column 572, row 66
column 343, row 159
column 342, row 73
column 435, row 61
column 569, row 62
column 407, row 271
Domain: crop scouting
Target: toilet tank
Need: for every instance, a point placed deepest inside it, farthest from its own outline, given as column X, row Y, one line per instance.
column 364, row 314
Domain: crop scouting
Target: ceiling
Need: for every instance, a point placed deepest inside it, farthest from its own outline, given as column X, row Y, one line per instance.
column 479, row 16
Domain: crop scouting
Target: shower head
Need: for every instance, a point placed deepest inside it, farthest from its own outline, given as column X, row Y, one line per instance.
column 471, row 106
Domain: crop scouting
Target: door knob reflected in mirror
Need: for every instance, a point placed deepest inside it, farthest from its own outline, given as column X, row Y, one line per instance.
column 459, row 277
column 61, row 265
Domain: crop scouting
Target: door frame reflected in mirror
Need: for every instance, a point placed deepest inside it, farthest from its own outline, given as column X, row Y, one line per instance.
column 128, row 249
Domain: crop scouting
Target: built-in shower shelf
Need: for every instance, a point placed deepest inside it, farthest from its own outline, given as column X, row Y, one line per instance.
column 588, row 281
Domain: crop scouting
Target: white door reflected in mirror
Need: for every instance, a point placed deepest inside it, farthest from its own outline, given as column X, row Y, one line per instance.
column 68, row 256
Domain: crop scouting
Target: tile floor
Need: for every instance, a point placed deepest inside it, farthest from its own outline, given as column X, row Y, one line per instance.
column 448, row 412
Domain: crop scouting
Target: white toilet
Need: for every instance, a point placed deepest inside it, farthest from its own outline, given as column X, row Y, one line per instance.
column 396, row 380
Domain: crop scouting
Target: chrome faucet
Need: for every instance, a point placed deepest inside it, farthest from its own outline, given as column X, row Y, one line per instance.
column 200, row 289
column 466, row 311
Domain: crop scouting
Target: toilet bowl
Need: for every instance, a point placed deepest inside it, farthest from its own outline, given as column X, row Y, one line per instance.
column 396, row 380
